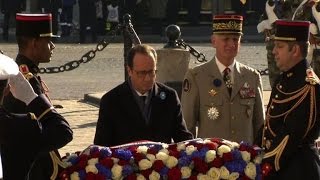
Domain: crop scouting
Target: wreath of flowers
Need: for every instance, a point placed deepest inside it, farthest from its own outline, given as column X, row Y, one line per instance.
column 211, row 158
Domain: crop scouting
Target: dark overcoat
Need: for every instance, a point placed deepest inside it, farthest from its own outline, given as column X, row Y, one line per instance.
column 121, row 120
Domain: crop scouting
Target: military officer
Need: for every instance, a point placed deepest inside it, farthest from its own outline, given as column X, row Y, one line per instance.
column 292, row 120
column 34, row 34
column 290, row 9
column 223, row 98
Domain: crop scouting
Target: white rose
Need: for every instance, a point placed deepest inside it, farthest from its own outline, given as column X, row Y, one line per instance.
column 210, row 155
column 203, row 177
column 154, row 176
column 140, row 177
column 162, row 156
column 116, row 171
column 75, row 176
column 115, row 160
column 91, row 168
column 181, row 146
column 190, row 149
column 224, row 173
column 250, row 170
column 234, row 176
column 214, row 173
column 258, row 159
column 144, row 164
column 93, row 161
column 151, row 157
column 185, row 172
column 223, row 149
column 246, row 156
column 142, row 149
column 166, row 151
column 171, row 162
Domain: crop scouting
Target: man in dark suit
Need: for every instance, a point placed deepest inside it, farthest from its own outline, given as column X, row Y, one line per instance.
column 140, row 108
column 34, row 35
column 292, row 120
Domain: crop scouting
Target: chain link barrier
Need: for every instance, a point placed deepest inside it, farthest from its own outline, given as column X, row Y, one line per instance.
column 201, row 57
column 87, row 57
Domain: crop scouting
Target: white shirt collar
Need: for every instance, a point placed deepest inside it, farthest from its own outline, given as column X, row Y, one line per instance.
column 145, row 94
column 221, row 67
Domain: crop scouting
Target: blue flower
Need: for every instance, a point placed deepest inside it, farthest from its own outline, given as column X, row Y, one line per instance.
column 105, row 152
column 127, row 170
column 123, row 154
column 104, row 171
column 236, row 166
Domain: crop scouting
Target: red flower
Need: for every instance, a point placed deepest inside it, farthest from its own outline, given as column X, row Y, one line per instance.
column 176, row 154
column 172, row 147
column 212, row 146
column 200, row 166
column 217, row 162
column 158, row 165
column 174, row 173
column 107, row 162
column 132, row 176
column 95, row 154
column 123, row 162
column 146, row 173
column 193, row 177
column 138, row 157
column 227, row 156
column 100, row 177
column 90, row 176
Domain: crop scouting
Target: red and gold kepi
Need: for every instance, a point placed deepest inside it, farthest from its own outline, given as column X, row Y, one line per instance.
column 227, row 24
column 34, row 25
column 287, row 30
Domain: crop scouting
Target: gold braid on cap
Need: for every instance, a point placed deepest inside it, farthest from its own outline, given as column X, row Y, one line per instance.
column 231, row 25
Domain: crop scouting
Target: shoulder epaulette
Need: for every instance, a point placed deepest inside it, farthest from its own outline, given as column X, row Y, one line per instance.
column 25, row 71
column 311, row 77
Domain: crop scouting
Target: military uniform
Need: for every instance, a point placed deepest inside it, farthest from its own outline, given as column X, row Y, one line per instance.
column 292, row 119
column 239, row 116
column 285, row 10
column 44, row 162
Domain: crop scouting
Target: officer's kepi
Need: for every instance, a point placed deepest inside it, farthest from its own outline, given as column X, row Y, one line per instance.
column 8, row 67
column 287, row 30
column 34, row 25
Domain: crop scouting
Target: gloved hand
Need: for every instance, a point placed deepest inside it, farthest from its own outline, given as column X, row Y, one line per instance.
column 22, row 89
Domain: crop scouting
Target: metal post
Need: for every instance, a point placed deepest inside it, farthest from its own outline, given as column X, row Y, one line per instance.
column 173, row 34
column 130, row 37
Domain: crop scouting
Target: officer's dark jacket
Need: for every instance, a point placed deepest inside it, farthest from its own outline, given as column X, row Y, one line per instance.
column 56, row 133
column 292, row 125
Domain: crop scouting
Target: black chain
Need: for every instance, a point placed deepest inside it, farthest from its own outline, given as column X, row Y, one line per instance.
column 201, row 58
column 84, row 59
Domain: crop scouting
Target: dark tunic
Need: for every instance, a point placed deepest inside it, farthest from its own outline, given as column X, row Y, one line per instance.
column 292, row 125
column 56, row 133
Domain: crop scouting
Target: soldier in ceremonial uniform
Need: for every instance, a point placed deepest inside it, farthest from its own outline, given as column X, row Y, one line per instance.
column 223, row 98
column 290, row 9
column 292, row 119
column 34, row 34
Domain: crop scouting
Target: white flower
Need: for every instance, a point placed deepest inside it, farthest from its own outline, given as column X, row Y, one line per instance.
column 91, row 168
column 250, row 170
column 190, row 149
column 223, row 149
column 185, row 172
column 115, row 160
column 144, row 164
column 214, row 173
column 75, row 176
column 140, row 177
column 171, row 162
column 258, row 159
column 203, row 177
column 210, row 155
column 154, row 176
column 142, row 149
column 162, row 156
column 151, row 157
column 224, row 173
column 181, row 146
column 213, row 113
column 246, row 156
column 166, row 151
column 93, row 161
column 116, row 171
column 234, row 176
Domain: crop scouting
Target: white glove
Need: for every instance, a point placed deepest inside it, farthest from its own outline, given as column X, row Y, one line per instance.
column 21, row 89
column 272, row 17
column 263, row 25
column 316, row 15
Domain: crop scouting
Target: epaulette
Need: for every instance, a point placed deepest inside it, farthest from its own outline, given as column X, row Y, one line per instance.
column 311, row 77
column 25, row 71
